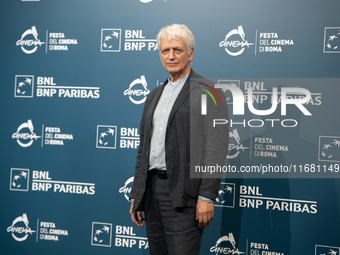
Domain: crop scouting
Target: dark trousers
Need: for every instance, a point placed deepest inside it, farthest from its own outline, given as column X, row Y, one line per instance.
column 170, row 230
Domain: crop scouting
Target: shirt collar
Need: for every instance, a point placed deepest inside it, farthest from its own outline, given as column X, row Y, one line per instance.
column 180, row 81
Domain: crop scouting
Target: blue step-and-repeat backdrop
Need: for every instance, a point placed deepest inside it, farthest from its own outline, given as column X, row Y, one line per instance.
column 74, row 79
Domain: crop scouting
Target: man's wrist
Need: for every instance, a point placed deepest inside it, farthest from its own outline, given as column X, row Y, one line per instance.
column 205, row 199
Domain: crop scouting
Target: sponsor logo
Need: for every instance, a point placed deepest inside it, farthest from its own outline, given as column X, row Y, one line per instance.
column 323, row 249
column 111, row 40
column 56, row 41
column 42, row 182
column 50, row 135
column 226, row 245
column 235, row 42
column 134, row 40
column 29, row 41
column 54, row 136
column 250, row 197
column 24, row 86
column 331, row 40
column 137, row 89
column 329, row 148
column 47, row 88
column 107, row 137
column 126, row 189
column 265, row 147
column 235, row 145
column 49, row 232
column 125, row 237
column 20, row 229
column 226, row 195
column 262, row 248
column 25, row 132
column 101, row 234
column 19, row 179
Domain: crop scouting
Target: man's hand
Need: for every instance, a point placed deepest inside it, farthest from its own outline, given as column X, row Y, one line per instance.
column 137, row 217
column 204, row 213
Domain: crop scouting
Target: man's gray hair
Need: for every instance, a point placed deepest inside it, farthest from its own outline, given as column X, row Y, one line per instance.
column 177, row 30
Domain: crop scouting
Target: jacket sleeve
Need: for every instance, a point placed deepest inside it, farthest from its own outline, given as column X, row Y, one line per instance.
column 140, row 149
column 215, row 145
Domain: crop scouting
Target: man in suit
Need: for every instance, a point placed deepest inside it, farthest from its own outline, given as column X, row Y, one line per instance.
column 174, row 138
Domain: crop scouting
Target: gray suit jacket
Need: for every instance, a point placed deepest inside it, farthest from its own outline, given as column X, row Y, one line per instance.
column 184, row 147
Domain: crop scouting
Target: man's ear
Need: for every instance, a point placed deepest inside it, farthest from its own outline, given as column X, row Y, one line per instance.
column 191, row 55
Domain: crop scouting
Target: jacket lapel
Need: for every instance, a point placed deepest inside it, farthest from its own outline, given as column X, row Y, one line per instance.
column 182, row 96
column 153, row 105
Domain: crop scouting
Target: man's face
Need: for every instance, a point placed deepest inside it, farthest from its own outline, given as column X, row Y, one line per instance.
column 174, row 57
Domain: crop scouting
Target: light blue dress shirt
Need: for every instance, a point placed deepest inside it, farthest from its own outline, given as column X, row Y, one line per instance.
column 160, row 121
column 159, row 125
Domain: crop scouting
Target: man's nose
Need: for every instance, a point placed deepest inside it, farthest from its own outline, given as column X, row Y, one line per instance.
column 171, row 54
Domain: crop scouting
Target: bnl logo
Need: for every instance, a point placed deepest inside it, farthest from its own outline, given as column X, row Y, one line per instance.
column 106, row 137
column 329, row 250
column 110, row 40
column 24, row 85
column 239, row 99
column 19, row 179
column 101, row 234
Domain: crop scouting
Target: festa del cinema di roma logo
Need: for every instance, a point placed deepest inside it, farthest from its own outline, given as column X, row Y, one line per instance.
column 22, row 137
column 235, row 47
column 20, row 228
column 29, row 41
column 137, row 90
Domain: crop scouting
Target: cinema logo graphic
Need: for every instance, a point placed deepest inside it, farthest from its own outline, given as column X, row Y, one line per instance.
column 134, row 40
column 329, row 148
column 137, row 90
column 250, row 197
column 46, row 87
column 125, row 237
column 331, row 40
column 267, row 42
column 48, row 231
column 50, row 135
column 101, row 234
column 329, row 250
column 24, row 86
column 107, row 137
column 226, row 195
column 226, row 245
column 126, row 189
column 25, row 135
column 29, row 41
column 235, row 42
column 19, row 179
column 235, row 145
column 20, row 229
